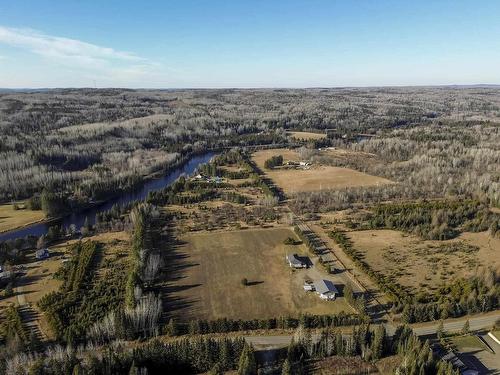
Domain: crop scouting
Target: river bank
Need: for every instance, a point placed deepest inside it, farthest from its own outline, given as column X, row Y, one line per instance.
column 185, row 167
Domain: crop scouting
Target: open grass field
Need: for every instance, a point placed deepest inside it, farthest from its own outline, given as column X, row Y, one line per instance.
column 419, row 264
column 467, row 342
column 317, row 177
column 209, row 268
column 306, row 135
column 12, row 219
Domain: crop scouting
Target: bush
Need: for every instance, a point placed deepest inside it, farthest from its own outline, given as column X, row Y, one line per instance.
column 291, row 241
column 244, row 281
column 9, row 290
column 273, row 162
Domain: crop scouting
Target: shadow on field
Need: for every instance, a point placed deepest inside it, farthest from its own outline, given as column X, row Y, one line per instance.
column 176, row 262
column 251, row 283
column 470, row 359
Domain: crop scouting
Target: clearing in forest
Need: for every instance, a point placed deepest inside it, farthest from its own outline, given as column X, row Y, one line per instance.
column 207, row 273
column 305, row 136
column 315, row 177
column 425, row 265
column 11, row 219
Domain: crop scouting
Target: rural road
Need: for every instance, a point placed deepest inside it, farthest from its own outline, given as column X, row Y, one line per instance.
column 477, row 323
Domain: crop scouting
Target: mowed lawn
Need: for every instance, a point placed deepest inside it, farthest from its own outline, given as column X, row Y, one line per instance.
column 316, row 177
column 214, row 264
column 12, row 219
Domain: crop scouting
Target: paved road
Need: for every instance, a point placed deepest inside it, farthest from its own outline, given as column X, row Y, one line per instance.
column 476, row 323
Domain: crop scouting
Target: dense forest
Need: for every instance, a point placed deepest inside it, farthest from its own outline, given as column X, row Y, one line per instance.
column 91, row 142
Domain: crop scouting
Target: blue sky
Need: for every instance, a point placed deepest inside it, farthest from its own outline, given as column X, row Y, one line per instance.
column 254, row 43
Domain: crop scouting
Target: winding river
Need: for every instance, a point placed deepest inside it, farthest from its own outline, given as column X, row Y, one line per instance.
column 78, row 218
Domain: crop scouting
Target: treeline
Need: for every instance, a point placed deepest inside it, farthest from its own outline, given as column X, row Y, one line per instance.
column 184, row 356
column 274, row 161
column 369, row 345
column 80, row 301
column 193, row 355
column 12, row 329
column 477, row 294
column 435, row 220
column 140, row 314
column 225, row 325
column 146, row 259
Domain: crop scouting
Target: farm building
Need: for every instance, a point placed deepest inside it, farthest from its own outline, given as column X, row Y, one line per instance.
column 42, row 254
column 295, row 261
column 326, row 289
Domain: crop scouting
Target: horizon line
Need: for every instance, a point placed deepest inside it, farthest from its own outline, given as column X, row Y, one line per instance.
column 471, row 85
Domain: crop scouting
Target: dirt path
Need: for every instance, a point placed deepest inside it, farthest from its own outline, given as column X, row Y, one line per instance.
column 376, row 300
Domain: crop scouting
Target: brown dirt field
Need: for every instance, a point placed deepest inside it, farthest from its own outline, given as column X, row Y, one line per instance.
column 306, row 135
column 213, row 264
column 424, row 265
column 318, row 177
column 322, row 178
column 11, row 219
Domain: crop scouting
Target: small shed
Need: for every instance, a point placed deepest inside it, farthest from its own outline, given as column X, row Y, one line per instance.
column 326, row 289
column 42, row 254
column 295, row 261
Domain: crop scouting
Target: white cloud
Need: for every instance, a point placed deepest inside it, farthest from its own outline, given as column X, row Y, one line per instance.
column 107, row 65
column 69, row 50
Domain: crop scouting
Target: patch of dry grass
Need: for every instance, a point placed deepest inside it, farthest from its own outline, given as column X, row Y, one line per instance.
column 305, row 136
column 11, row 219
column 314, row 178
column 425, row 265
column 213, row 264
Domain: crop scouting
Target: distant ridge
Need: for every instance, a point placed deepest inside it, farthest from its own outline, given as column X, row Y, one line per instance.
column 44, row 89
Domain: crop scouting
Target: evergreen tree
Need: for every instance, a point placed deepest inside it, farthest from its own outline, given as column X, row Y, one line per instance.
column 466, row 327
column 247, row 364
column 286, row 368
column 225, row 357
column 217, row 369
column 379, row 343
column 440, row 330
column 133, row 369
column 172, row 328
column 77, row 370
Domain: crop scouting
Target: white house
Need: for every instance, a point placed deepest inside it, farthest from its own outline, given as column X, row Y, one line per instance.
column 326, row 289
column 295, row 261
